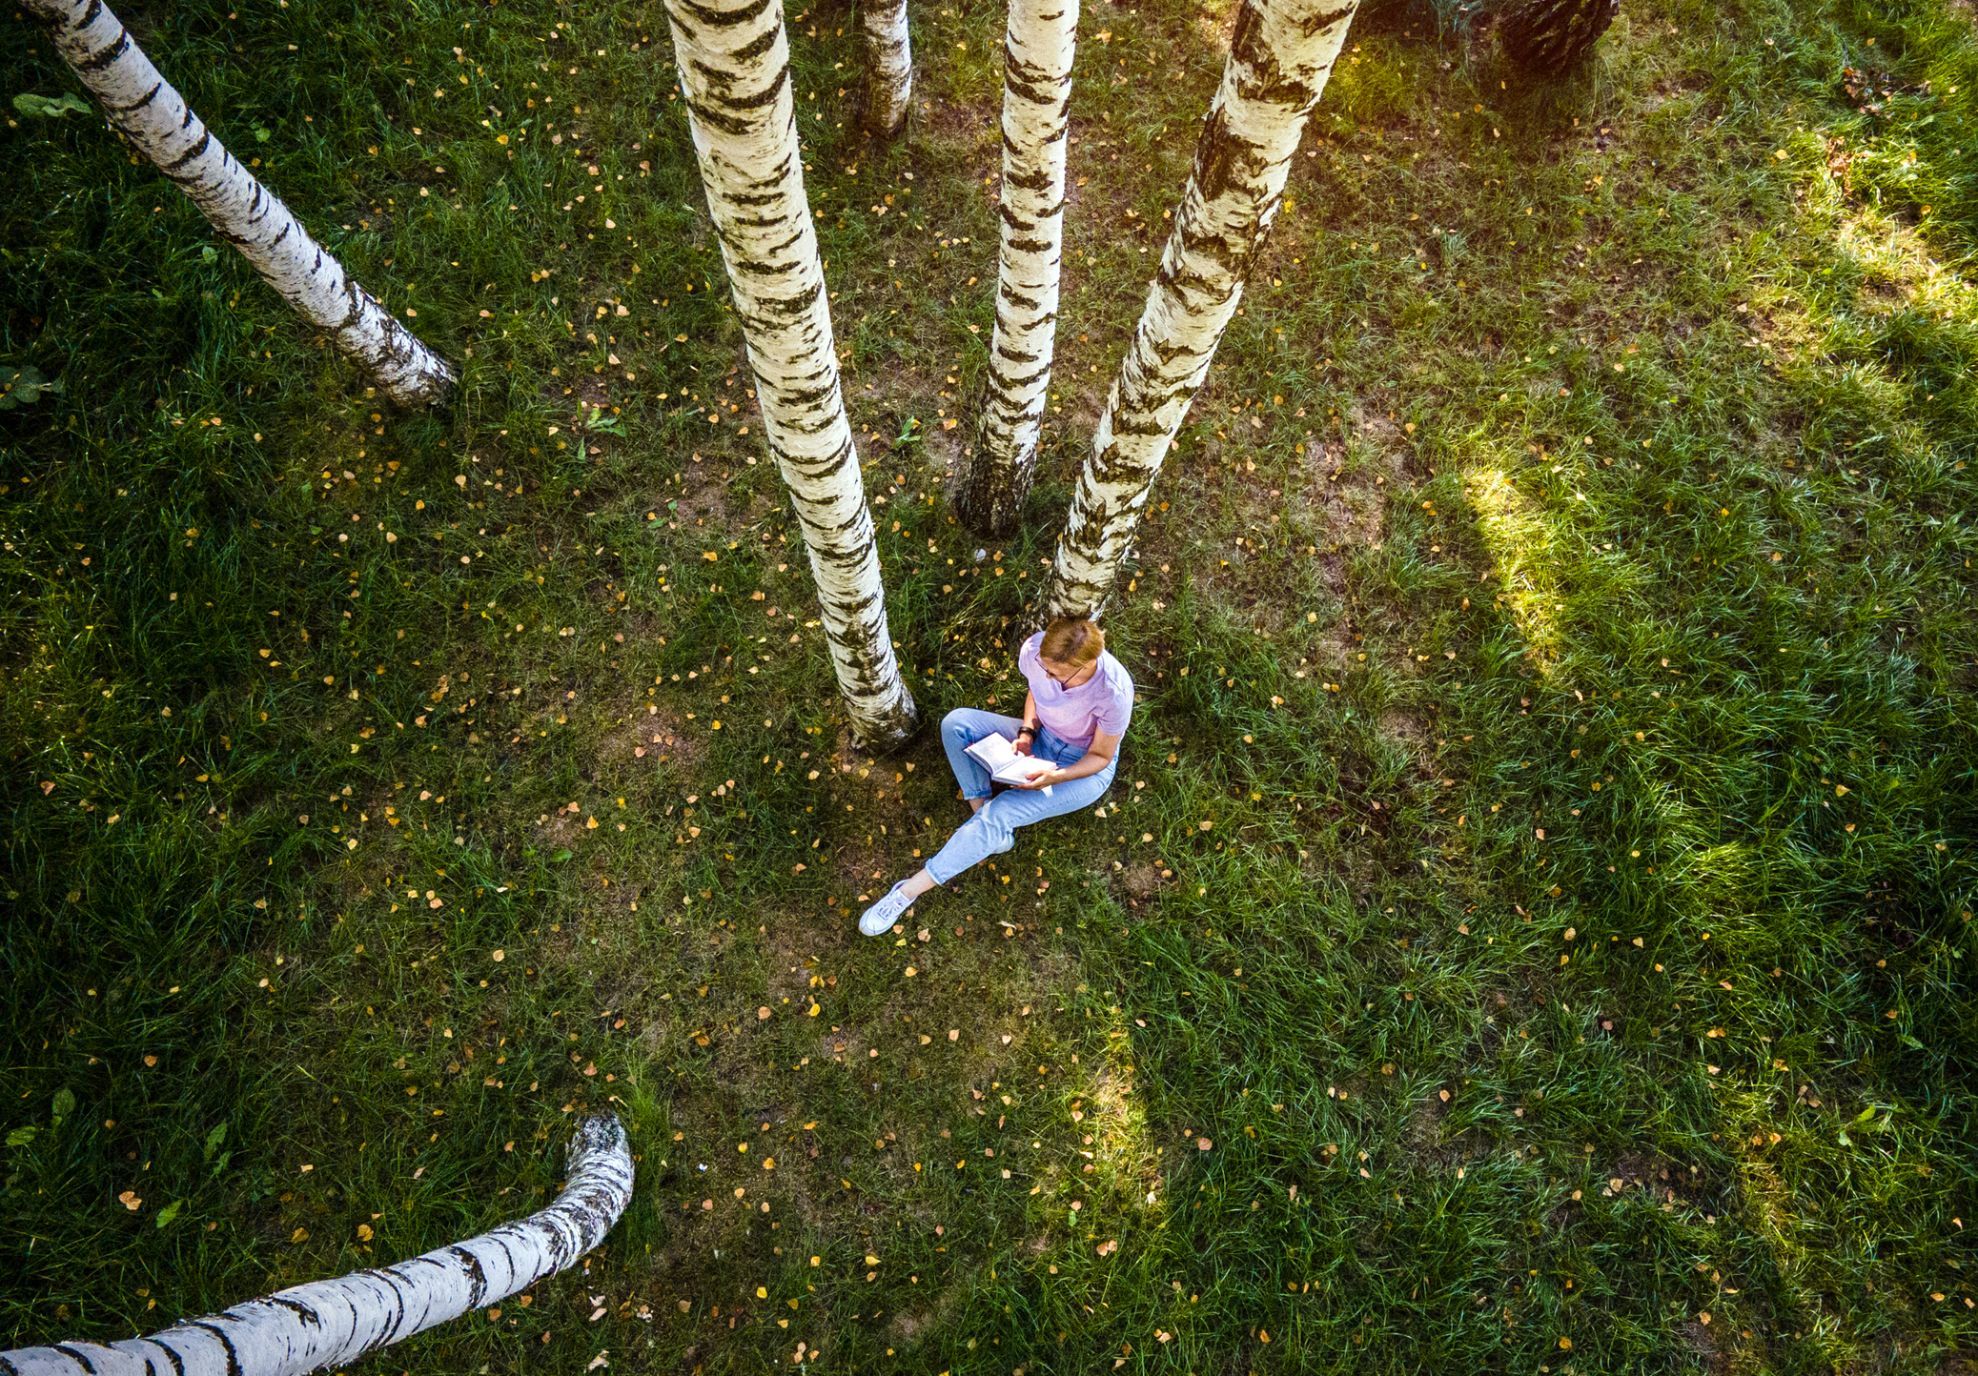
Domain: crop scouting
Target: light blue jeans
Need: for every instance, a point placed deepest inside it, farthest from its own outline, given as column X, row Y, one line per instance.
column 991, row 831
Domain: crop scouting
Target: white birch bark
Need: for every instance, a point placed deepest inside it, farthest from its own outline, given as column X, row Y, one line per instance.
column 734, row 60
column 159, row 125
column 1279, row 59
column 332, row 1323
column 888, row 65
column 1037, row 56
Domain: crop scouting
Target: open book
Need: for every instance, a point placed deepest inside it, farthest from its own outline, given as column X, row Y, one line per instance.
column 1005, row 766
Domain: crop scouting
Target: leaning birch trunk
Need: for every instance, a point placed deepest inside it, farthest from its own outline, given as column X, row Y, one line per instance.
column 735, row 72
column 332, row 1323
column 158, row 123
column 1279, row 59
column 888, row 64
column 1037, row 54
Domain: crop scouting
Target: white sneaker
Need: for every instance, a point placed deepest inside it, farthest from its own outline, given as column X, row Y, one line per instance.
column 880, row 917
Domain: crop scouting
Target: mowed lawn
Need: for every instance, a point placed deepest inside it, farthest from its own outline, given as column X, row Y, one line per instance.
column 1533, row 927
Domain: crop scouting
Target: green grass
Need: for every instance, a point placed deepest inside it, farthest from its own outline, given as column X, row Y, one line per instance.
column 1541, row 869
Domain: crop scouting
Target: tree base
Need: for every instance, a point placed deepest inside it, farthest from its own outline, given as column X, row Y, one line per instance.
column 884, row 734
column 1547, row 37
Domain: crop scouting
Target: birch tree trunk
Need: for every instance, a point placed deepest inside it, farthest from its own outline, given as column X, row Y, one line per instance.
column 1037, row 56
column 888, row 64
column 1279, row 59
column 334, row 1322
column 735, row 72
column 158, row 123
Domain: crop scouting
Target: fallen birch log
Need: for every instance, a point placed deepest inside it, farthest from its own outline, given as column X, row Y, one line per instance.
column 331, row 1323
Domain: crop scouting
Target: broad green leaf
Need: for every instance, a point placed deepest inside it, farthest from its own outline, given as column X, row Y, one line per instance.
column 169, row 1212
column 65, row 1103
column 50, row 107
column 23, row 386
column 21, row 1136
column 214, row 1138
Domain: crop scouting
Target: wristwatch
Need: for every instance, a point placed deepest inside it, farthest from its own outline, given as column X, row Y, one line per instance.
column 1029, row 731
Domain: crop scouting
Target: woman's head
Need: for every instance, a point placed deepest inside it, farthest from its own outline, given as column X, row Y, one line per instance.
column 1071, row 645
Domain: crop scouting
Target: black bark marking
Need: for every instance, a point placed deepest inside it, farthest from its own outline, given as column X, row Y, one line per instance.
column 757, row 46
column 80, row 1358
column 724, row 19
column 391, row 1282
column 198, row 149
column 88, row 15
column 96, row 62
column 226, row 1343
column 498, row 1240
column 477, row 1278
column 299, row 1309
column 137, row 104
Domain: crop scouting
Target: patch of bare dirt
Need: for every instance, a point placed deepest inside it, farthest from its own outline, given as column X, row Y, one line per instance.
column 954, row 120
column 1407, row 730
column 793, row 956
column 1701, row 1339
column 1142, row 881
column 1351, row 514
column 1350, row 482
column 1426, row 1141
column 563, row 827
column 703, row 501
column 652, row 735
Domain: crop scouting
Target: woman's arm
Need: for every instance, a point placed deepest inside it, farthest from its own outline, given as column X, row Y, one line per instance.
column 1029, row 723
column 1097, row 757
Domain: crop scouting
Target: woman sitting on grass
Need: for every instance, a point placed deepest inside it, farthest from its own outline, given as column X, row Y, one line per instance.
column 1079, row 702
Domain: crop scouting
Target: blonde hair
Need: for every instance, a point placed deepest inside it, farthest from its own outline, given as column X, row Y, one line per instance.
column 1074, row 641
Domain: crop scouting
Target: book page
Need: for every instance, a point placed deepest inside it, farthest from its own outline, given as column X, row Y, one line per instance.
column 1004, row 764
column 994, row 751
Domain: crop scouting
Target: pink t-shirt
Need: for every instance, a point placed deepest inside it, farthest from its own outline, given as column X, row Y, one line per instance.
column 1103, row 702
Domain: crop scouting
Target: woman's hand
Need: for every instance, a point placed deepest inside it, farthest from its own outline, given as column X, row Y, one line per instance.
column 1024, row 745
column 1041, row 779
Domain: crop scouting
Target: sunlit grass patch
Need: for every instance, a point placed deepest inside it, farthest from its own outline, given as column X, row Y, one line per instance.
column 1524, row 558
